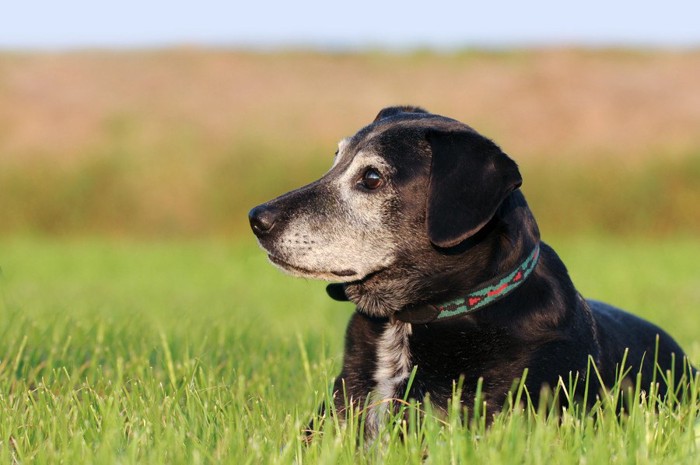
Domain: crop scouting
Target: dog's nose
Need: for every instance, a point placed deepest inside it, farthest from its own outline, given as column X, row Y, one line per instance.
column 262, row 219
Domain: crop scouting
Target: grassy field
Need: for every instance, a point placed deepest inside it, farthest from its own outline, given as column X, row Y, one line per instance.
column 140, row 324
column 201, row 352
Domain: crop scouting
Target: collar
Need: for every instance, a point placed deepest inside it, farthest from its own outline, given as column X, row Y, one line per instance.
column 484, row 295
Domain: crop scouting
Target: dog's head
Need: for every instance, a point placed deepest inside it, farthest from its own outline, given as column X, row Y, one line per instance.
column 407, row 188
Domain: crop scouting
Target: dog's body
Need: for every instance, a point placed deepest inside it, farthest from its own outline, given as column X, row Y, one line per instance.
column 416, row 213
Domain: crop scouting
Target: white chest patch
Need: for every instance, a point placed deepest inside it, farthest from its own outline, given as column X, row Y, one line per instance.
column 393, row 368
column 393, row 360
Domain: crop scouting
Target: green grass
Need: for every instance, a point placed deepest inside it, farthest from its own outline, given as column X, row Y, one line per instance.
column 201, row 352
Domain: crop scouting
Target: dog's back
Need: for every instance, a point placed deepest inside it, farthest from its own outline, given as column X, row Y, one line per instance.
column 645, row 348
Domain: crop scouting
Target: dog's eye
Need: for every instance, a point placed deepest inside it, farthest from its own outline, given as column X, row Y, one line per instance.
column 372, row 179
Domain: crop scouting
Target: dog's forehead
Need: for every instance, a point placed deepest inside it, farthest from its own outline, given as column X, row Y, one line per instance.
column 403, row 126
column 399, row 132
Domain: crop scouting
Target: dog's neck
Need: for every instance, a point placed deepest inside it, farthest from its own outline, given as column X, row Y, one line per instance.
column 496, row 250
column 483, row 296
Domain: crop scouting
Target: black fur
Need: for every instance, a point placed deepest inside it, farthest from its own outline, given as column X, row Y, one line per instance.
column 460, row 220
column 469, row 179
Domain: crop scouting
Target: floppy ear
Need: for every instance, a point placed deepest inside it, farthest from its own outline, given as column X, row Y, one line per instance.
column 393, row 111
column 469, row 178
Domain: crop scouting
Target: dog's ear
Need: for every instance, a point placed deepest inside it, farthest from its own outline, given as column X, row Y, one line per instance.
column 469, row 178
column 393, row 111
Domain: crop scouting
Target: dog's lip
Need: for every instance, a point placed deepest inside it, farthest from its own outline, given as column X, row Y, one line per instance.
column 280, row 262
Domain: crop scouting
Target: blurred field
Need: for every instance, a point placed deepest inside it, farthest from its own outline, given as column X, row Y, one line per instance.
column 183, row 142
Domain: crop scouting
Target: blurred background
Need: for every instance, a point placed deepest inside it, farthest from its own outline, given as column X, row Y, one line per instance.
column 138, row 318
column 167, row 119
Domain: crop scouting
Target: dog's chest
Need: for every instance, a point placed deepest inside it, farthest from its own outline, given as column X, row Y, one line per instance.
column 394, row 362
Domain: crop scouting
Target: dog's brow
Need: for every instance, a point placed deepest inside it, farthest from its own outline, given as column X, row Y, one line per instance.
column 369, row 158
column 364, row 157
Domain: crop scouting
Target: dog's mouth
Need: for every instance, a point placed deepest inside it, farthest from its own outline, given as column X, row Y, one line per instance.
column 331, row 275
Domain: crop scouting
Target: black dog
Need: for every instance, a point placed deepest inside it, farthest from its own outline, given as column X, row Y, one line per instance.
column 422, row 222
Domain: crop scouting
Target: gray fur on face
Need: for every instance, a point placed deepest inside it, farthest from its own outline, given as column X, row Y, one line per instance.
column 341, row 231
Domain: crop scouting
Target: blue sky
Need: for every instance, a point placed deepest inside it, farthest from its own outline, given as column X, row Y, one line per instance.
column 31, row 24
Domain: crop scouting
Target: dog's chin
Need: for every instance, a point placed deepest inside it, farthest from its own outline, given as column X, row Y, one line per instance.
column 340, row 276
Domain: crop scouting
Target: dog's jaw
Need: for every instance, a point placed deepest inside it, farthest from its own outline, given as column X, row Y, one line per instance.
column 332, row 275
column 346, row 276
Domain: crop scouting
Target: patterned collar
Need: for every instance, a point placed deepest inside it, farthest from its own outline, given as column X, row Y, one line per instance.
column 486, row 294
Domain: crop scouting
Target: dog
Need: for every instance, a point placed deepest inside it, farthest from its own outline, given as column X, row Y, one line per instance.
column 421, row 223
